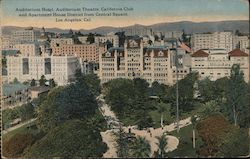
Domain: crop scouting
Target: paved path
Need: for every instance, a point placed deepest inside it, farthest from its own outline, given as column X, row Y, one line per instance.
column 109, row 138
column 19, row 125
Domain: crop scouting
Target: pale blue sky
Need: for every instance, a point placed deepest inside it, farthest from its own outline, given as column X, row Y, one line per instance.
column 145, row 11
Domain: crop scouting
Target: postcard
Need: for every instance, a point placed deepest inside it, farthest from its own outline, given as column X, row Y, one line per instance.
column 124, row 79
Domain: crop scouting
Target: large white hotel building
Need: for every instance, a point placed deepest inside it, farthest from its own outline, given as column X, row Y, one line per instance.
column 136, row 61
column 25, row 68
column 217, row 63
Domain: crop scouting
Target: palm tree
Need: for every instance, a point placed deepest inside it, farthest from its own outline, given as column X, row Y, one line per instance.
column 194, row 122
column 161, row 110
column 162, row 146
column 141, row 148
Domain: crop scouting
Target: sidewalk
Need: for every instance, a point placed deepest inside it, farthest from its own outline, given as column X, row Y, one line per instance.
column 109, row 138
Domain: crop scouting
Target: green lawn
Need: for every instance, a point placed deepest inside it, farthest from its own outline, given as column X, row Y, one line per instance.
column 22, row 130
column 156, row 116
column 185, row 147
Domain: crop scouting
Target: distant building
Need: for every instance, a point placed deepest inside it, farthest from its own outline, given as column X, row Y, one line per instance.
column 37, row 91
column 216, row 40
column 57, row 42
column 25, row 68
column 28, row 49
column 241, row 42
column 15, row 94
column 173, row 34
column 217, row 63
column 88, row 52
column 136, row 61
column 7, row 42
column 114, row 39
column 25, row 36
column 83, row 39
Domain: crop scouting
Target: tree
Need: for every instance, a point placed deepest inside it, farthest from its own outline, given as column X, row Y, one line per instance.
column 33, row 83
column 186, row 95
column 206, row 89
column 211, row 130
column 73, row 138
column 26, row 111
column 8, row 116
column 71, row 32
column 194, row 123
column 91, row 38
column 141, row 148
column 162, row 107
column 237, row 94
column 15, row 81
column 209, row 108
column 141, row 87
column 14, row 147
column 52, row 83
column 162, row 146
column 64, row 104
column 235, row 143
column 184, row 36
column 122, row 143
column 42, row 81
column 93, row 83
column 78, row 75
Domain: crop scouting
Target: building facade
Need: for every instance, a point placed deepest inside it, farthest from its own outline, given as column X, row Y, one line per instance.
column 216, row 64
column 114, row 39
column 88, row 52
column 25, row 68
column 216, row 40
column 25, row 36
column 136, row 61
column 57, row 42
column 28, row 49
column 241, row 42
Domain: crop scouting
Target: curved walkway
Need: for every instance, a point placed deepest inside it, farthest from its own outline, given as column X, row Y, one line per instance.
column 109, row 138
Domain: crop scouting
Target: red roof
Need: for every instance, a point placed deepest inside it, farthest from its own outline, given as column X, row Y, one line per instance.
column 200, row 53
column 237, row 52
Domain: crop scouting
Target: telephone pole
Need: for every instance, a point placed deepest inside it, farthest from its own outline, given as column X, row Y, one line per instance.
column 177, row 93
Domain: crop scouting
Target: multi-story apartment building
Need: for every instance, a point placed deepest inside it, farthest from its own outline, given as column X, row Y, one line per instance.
column 216, row 40
column 28, row 49
column 26, row 68
column 88, row 52
column 136, row 61
column 216, row 64
column 114, row 39
column 56, row 42
column 7, row 42
column 24, row 36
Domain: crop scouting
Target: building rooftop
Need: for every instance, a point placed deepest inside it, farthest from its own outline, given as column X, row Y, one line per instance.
column 200, row 53
column 40, row 88
column 9, row 89
column 9, row 52
column 237, row 52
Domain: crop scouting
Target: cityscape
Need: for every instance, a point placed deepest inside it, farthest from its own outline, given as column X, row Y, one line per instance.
column 163, row 90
